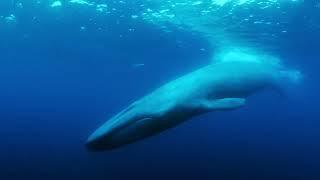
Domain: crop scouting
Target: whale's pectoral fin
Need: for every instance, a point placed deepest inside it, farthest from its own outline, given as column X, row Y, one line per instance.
column 223, row 104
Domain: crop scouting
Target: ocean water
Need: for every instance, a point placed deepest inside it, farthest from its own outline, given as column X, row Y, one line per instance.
column 67, row 66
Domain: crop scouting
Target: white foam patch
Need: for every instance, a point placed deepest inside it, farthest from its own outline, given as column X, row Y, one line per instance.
column 81, row 2
column 220, row 2
column 242, row 2
column 102, row 7
column 11, row 18
column 56, row 4
column 246, row 54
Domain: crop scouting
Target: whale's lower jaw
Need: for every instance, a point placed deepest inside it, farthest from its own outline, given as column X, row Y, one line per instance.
column 109, row 141
column 99, row 146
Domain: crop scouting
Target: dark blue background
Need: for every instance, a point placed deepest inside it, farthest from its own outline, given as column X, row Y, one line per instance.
column 59, row 83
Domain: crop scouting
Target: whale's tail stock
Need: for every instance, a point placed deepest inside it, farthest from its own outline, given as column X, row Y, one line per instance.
column 289, row 82
column 285, row 79
column 292, row 76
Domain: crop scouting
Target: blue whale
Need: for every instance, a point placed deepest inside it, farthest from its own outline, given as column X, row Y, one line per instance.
column 222, row 85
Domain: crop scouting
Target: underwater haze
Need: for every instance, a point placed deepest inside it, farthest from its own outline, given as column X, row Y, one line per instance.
column 67, row 66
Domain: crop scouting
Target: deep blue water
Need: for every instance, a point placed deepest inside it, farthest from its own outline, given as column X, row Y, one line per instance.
column 58, row 84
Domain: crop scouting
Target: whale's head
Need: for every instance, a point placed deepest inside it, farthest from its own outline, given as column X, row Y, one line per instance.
column 130, row 125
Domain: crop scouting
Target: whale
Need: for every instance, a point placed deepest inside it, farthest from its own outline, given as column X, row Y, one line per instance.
column 223, row 85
